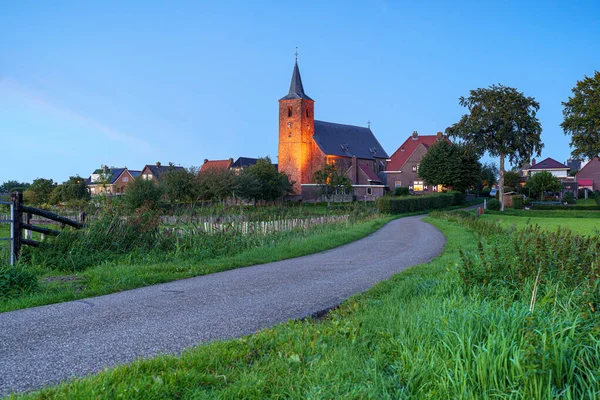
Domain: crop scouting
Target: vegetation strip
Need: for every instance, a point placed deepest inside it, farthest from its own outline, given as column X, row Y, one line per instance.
column 422, row 334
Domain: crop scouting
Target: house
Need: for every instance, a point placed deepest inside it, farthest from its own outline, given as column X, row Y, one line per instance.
column 403, row 166
column 588, row 176
column 222, row 165
column 574, row 164
column 110, row 181
column 306, row 145
column 243, row 162
column 557, row 169
column 156, row 171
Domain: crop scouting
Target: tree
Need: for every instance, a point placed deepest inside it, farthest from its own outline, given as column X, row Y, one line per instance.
column 142, row 193
column 541, row 182
column 40, row 191
column 503, row 122
column 582, row 117
column 450, row 165
column 262, row 182
column 11, row 185
column 178, row 184
column 332, row 181
column 512, row 179
column 215, row 184
column 72, row 190
column 489, row 175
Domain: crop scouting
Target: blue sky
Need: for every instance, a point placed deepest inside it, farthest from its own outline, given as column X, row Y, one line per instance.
column 89, row 83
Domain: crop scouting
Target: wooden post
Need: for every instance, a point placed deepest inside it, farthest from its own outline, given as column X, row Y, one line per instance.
column 17, row 199
column 28, row 233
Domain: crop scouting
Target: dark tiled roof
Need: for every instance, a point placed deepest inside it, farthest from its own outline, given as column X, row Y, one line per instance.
column 135, row 174
column 296, row 88
column 157, row 171
column 244, row 162
column 347, row 141
column 114, row 174
column 372, row 176
column 548, row 163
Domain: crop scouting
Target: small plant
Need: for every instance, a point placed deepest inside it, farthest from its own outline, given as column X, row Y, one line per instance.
column 493, row 204
column 16, row 281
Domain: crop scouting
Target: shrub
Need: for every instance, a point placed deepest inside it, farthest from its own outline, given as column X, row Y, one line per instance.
column 15, row 281
column 402, row 191
column 569, row 198
column 517, row 201
column 526, row 202
column 493, row 204
column 597, row 197
column 405, row 204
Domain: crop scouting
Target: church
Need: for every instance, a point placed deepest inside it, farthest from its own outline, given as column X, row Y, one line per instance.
column 306, row 145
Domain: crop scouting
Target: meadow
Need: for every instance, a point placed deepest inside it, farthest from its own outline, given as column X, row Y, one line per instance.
column 582, row 222
column 441, row 330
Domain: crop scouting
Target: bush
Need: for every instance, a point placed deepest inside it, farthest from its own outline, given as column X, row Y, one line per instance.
column 597, row 197
column 526, row 202
column 569, row 198
column 142, row 193
column 517, row 201
column 406, row 204
column 493, row 204
column 402, row 191
column 15, row 281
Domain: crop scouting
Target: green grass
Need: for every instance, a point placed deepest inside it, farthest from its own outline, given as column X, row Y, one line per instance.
column 581, row 225
column 586, row 202
column 415, row 336
column 122, row 275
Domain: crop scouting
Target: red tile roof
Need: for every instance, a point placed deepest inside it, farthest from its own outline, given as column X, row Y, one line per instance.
column 372, row 176
column 548, row 163
column 399, row 158
column 215, row 164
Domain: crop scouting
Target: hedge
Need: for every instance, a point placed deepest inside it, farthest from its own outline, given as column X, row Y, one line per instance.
column 405, row 204
column 557, row 207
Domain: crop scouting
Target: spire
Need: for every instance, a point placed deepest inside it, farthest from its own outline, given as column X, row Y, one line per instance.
column 296, row 88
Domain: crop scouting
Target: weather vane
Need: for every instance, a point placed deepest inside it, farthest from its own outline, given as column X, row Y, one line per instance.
column 369, row 124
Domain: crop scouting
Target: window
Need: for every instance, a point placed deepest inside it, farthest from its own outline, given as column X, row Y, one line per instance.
column 307, row 113
column 418, row 186
column 290, row 134
column 425, row 187
column 402, row 149
column 415, row 168
column 289, row 112
column 397, row 184
column 369, row 191
column 435, row 188
column 410, row 187
column 125, row 179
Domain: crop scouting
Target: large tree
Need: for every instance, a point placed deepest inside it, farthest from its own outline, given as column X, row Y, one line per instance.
column 40, row 191
column 262, row 182
column 541, row 182
column 489, row 175
column 450, row 165
column 503, row 122
column 582, row 117
column 332, row 181
column 72, row 190
column 178, row 184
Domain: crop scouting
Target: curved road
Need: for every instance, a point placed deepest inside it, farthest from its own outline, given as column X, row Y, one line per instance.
column 45, row 345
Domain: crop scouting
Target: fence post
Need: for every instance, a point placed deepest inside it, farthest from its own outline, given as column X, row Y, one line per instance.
column 17, row 199
column 28, row 233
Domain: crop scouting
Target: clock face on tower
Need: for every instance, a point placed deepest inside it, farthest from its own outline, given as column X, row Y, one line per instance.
column 289, row 124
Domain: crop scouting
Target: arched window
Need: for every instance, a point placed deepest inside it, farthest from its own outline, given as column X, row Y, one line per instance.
column 289, row 112
column 307, row 113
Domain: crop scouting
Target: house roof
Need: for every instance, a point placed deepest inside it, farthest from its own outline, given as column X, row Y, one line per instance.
column 372, row 176
column 244, row 162
column 215, row 164
column 347, row 141
column 548, row 163
column 158, row 170
column 135, row 174
column 584, row 170
column 114, row 174
column 403, row 153
column 296, row 88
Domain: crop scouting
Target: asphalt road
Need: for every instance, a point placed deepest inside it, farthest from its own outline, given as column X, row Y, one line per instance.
column 45, row 345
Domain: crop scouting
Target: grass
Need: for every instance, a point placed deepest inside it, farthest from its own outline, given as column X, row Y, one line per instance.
column 122, row 274
column 553, row 220
column 418, row 335
column 586, row 202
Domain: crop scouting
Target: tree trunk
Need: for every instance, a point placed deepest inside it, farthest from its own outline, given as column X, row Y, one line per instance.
column 501, row 182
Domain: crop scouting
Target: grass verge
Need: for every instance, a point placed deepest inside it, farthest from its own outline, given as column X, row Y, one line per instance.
column 417, row 335
column 583, row 226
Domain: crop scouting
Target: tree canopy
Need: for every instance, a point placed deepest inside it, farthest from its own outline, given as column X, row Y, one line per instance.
column 72, row 190
column 40, row 191
column 332, row 180
column 541, row 182
column 512, row 179
column 582, row 117
column 502, row 122
column 450, row 165
column 262, row 182
column 489, row 175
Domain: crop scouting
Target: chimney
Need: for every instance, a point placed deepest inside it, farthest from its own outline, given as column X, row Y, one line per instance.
column 415, row 135
column 205, row 160
column 105, row 169
column 533, row 162
column 158, row 164
column 440, row 135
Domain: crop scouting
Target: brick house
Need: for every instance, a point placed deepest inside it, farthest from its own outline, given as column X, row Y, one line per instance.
column 403, row 165
column 154, row 172
column 306, row 145
column 110, row 181
column 216, row 165
column 588, row 176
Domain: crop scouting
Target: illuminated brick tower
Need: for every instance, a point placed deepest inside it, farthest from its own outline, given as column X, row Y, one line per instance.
column 298, row 152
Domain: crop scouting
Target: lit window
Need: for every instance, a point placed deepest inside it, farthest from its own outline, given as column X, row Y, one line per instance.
column 410, row 187
column 289, row 112
column 418, row 186
column 369, row 191
column 415, row 168
column 435, row 188
column 125, row 179
column 397, row 184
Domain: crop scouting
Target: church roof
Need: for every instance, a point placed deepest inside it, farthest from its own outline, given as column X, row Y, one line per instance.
column 296, row 88
column 347, row 141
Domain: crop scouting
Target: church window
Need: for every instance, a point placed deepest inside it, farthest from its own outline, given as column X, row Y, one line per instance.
column 289, row 111
column 290, row 134
column 307, row 113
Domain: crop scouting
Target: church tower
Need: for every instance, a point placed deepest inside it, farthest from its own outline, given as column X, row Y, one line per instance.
column 297, row 148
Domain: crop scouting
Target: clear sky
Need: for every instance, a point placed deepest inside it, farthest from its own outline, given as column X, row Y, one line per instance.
column 86, row 83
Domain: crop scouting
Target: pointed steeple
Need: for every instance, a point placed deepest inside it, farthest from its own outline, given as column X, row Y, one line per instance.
column 296, row 88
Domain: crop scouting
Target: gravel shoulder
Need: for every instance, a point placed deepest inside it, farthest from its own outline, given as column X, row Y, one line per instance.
column 45, row 345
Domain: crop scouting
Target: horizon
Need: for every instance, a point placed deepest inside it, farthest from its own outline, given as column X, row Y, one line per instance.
column 129, row 85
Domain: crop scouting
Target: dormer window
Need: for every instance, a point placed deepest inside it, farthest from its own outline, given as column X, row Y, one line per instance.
column 289, row 112
column 402, row 149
